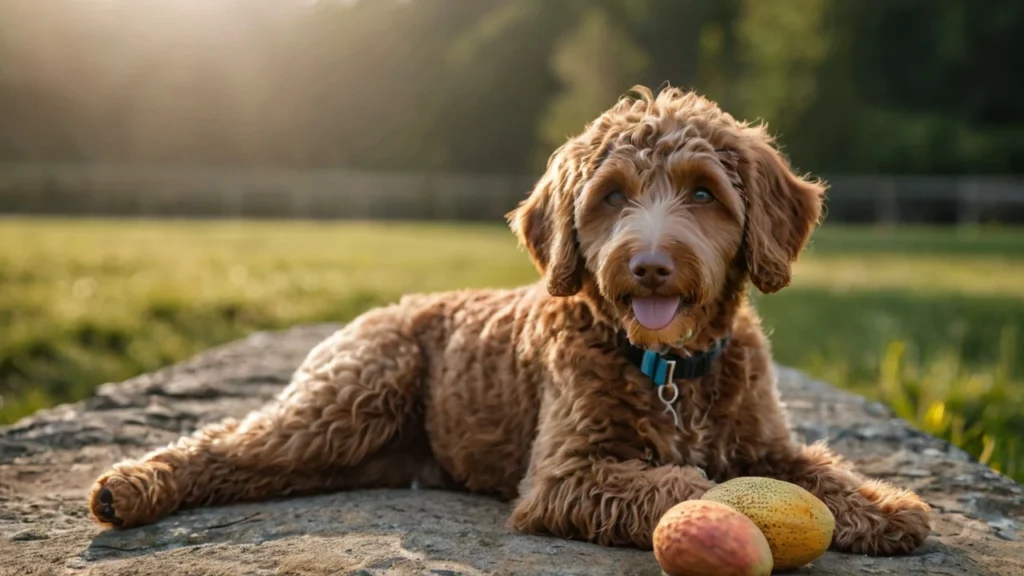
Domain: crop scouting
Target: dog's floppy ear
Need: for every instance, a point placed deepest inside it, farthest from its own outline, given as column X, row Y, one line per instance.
column 545, row 224
column 783, row 208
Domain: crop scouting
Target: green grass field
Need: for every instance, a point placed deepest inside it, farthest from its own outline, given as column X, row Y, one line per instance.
column 925, row 320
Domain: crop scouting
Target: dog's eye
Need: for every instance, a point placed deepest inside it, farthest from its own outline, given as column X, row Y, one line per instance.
column 703, row 196
column 615, row 198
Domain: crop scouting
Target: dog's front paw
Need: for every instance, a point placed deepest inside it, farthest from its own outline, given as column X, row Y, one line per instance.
column 883, row 522
column 133, row 494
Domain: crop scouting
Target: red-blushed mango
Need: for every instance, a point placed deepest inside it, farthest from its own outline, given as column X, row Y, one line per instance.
column 797, row 524
column 704, row 538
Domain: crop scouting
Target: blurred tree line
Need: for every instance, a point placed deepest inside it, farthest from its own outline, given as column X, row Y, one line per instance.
column 896, row 86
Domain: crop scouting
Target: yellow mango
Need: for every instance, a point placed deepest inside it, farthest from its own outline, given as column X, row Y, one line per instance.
column 797, row 525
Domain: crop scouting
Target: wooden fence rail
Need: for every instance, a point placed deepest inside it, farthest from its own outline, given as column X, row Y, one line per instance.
column 225, row 192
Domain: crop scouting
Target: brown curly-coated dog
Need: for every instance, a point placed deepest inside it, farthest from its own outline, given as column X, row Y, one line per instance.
column 555, row 396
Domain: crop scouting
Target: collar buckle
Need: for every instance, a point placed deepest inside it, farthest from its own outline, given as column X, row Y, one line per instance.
column 658, row 368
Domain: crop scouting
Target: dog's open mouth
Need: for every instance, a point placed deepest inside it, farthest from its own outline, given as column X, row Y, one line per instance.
column 655, row 312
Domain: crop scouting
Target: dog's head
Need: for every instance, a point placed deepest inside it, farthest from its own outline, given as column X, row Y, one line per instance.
column 657, row 202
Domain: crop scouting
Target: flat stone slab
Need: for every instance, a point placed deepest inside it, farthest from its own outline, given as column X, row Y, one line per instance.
column 49, row 460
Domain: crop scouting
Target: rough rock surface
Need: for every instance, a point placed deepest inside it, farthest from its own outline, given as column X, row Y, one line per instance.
column 48, row 461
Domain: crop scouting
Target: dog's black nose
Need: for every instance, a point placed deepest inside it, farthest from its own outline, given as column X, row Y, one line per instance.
column 651, row 269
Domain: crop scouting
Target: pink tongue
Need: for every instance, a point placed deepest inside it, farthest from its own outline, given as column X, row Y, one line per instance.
column 657, row 312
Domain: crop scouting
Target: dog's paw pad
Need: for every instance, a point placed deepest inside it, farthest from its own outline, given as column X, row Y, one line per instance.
column 103, row 507
column 111, row 494
column 106, row 509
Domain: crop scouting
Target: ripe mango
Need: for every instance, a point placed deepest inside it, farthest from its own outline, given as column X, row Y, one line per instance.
column 797, row 525
column 704, row 538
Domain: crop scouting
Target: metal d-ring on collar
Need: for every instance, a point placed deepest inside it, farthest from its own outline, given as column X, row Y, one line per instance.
column 664, row 369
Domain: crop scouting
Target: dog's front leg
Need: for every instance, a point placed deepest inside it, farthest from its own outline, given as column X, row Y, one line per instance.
column 593, row 476
column 872, row 516
column 606, row 502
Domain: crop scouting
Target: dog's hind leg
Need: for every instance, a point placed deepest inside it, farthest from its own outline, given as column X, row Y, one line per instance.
column 350, row 418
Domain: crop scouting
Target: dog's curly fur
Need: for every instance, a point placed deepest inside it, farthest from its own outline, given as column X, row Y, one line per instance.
column 525, row 393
